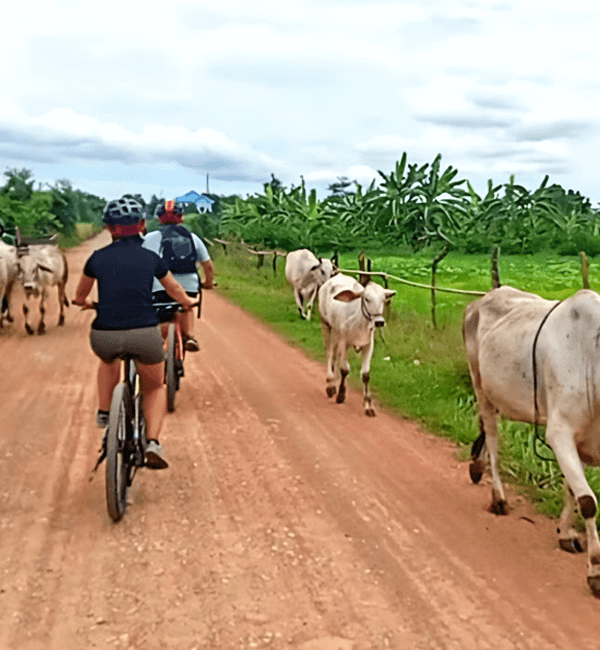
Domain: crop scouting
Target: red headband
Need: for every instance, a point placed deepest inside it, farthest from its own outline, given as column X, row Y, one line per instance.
column 171, row 217
column 126, row 231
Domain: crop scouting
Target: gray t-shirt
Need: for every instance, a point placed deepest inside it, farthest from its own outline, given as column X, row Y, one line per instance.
column 189, row 281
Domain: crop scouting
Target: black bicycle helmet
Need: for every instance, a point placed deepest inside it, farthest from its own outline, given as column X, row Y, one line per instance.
column 123, row 212
column 169, row 206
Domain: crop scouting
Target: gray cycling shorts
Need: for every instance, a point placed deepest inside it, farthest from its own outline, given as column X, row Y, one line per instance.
column 144, row 344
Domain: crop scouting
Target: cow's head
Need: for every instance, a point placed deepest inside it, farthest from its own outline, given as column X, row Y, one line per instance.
column 321, row 272
column 30, row 273
column 373, row 299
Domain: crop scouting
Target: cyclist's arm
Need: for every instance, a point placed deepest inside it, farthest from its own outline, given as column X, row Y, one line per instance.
column 83, row 291
column 209, row 274
column 176, row 291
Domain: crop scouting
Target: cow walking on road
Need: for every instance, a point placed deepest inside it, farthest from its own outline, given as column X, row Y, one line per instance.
column 8, row 254
column 512, row 337
column 40, row 268
column 306, row 273
column 350, row 312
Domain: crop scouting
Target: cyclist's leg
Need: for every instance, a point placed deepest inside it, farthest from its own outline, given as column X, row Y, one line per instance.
column 107, row 346
column 109, row 373
column 155, row 397
column 186, row 322
column 162, row 296
column 146, row 346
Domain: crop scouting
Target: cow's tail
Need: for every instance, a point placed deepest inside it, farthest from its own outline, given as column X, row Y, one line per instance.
column 479, row 444
column 478, row 451
column 65, row 277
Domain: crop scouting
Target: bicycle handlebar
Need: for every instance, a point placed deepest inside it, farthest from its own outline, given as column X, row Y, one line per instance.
column 177, row 307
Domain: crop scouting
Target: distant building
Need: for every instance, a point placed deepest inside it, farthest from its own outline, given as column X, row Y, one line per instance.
column 203, row 203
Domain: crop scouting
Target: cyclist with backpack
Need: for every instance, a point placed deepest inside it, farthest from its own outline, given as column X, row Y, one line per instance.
column 182, row 251
column 126, row 320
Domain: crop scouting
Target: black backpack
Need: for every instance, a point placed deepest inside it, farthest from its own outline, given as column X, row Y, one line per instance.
column 177, row 249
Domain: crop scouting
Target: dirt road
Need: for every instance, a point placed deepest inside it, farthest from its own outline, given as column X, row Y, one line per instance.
column 284, row 521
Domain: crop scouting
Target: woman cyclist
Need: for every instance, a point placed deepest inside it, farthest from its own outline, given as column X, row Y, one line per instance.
column 170, row 214
column 126, row 321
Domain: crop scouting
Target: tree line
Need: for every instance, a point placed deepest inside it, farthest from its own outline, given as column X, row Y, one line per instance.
column 412, row 207
column 45, row 209
column 417, row 206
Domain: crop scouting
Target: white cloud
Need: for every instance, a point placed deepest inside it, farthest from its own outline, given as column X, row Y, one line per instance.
column 317, row 88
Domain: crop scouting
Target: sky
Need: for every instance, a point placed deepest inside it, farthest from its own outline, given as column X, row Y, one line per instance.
column 148, row 97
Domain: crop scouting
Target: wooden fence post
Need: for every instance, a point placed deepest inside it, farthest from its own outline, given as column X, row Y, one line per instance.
column 364, row 264
column 434, row 265
column 585, row 270
column 335, row 260
column 496, row 267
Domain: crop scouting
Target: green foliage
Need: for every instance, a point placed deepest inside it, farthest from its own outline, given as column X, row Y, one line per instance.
column 420, row 206
column 18, row 187
column 342, row 186
column 32, row 216
column 44, row 212
column 73, row 206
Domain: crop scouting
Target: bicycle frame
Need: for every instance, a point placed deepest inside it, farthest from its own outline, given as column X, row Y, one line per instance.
column 125, row 442
column 132, row 379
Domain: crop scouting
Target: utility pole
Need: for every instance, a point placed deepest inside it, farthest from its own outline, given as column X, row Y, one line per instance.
column 207, row 183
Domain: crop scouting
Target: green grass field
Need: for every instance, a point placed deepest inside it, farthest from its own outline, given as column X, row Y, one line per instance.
column 418, row 371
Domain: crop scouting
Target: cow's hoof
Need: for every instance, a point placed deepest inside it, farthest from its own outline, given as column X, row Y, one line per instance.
column 331, row 391
column 341, row 398
column 41, row 330
column 571, row 545
column 499, row 507
column 28, row 329
column 370, row 412
column 61, row 320
column 10, row 319
column 594, row 583
column 476, row 469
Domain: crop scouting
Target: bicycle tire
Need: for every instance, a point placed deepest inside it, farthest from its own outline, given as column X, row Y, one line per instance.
column 117, row 452
column 170, row 370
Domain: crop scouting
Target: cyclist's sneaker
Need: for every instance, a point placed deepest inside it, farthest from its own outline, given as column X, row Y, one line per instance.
column 154, row 456
column 102, row 419
column 191, row 345
column 179, row 367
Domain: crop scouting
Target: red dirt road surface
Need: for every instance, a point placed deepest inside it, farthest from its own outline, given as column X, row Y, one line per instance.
column 285, row 521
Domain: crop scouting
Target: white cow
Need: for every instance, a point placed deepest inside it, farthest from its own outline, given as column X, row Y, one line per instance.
column 11, row 265
column 500, row 331
column 350, row 312
column 306, row 273
column 42, row 267
column 3, row 283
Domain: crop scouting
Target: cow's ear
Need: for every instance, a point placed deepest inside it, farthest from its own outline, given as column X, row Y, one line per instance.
column 389, row 293
column 347, row 295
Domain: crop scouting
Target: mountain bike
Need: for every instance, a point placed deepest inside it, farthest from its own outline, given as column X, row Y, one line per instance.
column 125, row 440
column 175, row 355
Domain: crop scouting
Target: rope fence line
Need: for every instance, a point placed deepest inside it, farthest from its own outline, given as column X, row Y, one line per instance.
column 381, row 274
column 413, row 284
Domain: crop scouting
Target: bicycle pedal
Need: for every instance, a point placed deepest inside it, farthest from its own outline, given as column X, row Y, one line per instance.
column 102, row 452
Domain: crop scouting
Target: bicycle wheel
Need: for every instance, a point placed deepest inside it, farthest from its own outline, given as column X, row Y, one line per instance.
column 170, row 370
column 118, row 454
